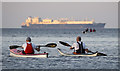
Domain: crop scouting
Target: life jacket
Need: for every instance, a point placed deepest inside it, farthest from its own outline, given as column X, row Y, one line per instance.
column 81, row 49
column 29, row 49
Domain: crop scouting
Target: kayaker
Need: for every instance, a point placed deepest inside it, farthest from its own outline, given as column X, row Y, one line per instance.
column 29, row 47
column 94, row 30
column 90, row 30
column 86, row 30
column 79, row 47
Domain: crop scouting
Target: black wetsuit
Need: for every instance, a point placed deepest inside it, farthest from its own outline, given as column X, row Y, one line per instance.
column 81, row 49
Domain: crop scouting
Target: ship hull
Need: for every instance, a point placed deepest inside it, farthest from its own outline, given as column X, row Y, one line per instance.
column 65, row 26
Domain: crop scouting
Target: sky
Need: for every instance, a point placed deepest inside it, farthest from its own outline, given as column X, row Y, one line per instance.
column 14, row 13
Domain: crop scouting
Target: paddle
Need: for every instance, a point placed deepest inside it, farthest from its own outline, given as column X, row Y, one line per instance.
column 51, row 45
column 66, row 44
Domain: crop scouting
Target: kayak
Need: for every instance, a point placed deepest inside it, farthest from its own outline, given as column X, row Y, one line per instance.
column 18, row 53
column 65, row 54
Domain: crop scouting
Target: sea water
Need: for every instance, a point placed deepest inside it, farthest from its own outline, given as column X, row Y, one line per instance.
column 103, row 40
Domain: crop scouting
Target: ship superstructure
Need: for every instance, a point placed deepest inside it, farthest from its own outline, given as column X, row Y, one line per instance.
column 62, row 23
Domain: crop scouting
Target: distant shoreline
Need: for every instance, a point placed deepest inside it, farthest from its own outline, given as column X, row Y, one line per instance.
column 38, row 28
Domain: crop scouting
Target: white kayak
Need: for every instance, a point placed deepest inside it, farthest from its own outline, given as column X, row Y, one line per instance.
column 18, row 53
column 65, row 54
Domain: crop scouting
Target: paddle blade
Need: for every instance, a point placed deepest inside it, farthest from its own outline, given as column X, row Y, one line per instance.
column 98, row 53
column 14, row 46
column 101, row 54
column 52, row 45
column 64, row 43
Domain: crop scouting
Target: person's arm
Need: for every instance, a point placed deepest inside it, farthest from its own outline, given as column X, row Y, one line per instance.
column 23, row 46
column 36, row 47
column 86, row 48
column 73, row 46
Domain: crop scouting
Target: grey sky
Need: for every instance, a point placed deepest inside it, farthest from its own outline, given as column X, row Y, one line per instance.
column 0, row 15
column 60, row 0
column 14, row 13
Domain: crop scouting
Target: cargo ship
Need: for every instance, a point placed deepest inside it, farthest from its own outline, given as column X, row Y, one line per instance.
column 62, row 23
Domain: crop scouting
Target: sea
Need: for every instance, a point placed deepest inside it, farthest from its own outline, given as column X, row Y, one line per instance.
column 103, row 40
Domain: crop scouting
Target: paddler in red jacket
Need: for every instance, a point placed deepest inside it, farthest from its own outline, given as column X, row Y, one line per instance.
column 29, row 47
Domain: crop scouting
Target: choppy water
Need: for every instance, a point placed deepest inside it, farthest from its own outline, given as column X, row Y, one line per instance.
column 105, row 41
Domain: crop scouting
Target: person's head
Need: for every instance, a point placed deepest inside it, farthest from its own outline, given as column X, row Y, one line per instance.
column 28, row 39
column 78, row 38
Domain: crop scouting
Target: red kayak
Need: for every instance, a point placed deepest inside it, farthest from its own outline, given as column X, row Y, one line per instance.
column 18, row 53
